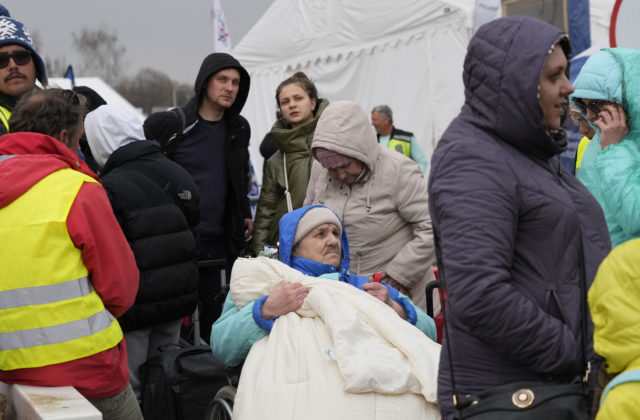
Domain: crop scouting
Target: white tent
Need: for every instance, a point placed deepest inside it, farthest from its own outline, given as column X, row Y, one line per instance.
column 407, row 54
column 109, row 94
column 600, row 15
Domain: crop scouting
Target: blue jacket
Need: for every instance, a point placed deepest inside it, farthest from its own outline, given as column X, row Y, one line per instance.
column 612, row 175
column 233, row 334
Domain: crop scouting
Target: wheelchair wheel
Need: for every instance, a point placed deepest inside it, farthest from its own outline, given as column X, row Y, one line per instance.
column 221, row 407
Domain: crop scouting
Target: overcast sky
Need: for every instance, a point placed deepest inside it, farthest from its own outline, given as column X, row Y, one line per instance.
column 170, row 36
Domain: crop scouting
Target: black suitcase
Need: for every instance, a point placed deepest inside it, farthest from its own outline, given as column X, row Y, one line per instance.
column 179, row 382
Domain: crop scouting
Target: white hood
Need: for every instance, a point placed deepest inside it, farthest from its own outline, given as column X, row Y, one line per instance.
column 110, row 127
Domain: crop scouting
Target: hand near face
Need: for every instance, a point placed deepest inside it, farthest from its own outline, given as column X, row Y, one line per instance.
column 612, row 122
column 284, row 298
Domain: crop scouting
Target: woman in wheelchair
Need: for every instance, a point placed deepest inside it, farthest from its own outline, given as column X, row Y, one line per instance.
column 311, row 241
column 368, row 338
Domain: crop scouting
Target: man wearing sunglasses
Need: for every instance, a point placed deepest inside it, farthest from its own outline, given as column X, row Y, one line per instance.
column 607, row 93
column 20, row 66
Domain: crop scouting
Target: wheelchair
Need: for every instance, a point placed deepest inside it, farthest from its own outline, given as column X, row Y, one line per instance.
column 221, row 406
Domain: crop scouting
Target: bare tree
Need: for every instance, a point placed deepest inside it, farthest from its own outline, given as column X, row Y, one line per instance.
column 56, row 66
column 183, row 92
column 36, row 39
column 149, row 89
column 101, row 53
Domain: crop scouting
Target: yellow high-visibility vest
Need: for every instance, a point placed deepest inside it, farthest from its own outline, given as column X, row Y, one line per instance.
column 49, row 310
column 401, row 143
column 582, row 146
column 5, row 114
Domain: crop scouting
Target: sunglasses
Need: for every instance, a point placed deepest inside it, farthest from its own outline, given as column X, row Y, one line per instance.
column 20, row 57
column 593, row 106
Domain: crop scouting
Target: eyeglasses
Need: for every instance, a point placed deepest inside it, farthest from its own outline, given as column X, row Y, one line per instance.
column 576, row 118
column 593, row 106
column 20, row 57
column 70, row 97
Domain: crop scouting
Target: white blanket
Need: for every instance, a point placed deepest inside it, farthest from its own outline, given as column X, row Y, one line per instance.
column 343, row 355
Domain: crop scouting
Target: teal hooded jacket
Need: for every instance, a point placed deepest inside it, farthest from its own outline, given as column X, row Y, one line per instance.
column 237, row 329
column 612, row 175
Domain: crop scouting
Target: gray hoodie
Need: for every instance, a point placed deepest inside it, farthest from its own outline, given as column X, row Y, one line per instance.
column 385, row 212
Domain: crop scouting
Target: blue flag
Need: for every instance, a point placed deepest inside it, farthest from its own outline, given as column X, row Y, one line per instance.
column 579, row 26
column 69, row 75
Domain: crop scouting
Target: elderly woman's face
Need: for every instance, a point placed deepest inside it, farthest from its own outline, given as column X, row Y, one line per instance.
column 322, row 245
column 348, row 173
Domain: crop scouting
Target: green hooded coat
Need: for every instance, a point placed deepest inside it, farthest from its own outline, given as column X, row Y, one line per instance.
column 295, row 143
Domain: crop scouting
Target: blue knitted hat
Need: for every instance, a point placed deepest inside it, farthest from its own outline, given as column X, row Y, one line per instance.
column 14, row 32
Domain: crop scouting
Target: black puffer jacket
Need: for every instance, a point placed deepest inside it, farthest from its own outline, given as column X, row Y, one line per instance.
column 169, row 128
column 161, row 233
column 512, row 223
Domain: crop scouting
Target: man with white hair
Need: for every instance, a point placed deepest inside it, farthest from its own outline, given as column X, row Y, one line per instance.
column 394, row 138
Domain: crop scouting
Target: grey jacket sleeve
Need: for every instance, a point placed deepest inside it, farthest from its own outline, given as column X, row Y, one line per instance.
column 413, row 260
column 317, row 172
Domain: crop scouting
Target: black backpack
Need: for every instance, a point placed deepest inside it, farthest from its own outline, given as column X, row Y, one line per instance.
column 179, row 382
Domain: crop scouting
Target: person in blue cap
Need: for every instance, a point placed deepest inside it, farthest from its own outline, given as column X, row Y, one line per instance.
column 313, row 241
column 20, row 66
column 4, row 11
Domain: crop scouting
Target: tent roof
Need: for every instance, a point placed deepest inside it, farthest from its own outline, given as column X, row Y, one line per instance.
column 107, row 92
column 299, row 32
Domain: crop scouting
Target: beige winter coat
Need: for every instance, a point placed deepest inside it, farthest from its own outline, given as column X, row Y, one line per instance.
column 385, row 212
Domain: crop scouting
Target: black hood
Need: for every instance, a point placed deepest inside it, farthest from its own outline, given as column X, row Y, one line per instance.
column 212, row 64
column 502, row 72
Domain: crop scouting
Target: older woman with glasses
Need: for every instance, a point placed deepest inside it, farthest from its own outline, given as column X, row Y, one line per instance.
column 585, row 129
column 607, row 93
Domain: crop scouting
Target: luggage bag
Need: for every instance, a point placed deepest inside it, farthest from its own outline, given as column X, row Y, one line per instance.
column 179, row 382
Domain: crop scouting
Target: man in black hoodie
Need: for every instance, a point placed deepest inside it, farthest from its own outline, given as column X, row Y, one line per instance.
column 210, row 139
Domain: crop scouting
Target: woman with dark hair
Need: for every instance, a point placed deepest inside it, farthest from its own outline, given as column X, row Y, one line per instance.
column 286, row 173
column 518, row 236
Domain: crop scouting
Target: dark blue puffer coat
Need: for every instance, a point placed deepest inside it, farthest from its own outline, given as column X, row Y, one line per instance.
column 509, row 218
